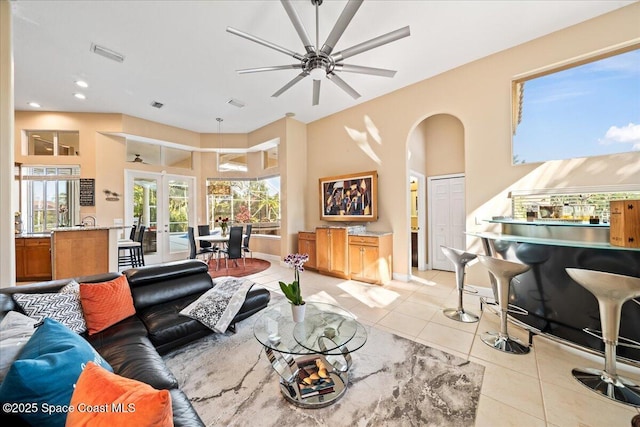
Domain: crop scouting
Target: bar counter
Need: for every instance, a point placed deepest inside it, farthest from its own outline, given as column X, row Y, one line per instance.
column 557, row 305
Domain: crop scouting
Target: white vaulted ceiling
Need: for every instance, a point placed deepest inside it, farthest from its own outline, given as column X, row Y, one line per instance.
column 178, row 53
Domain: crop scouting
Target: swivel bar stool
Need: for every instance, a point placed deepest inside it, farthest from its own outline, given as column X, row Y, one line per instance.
column 503, row 271
column 460, row 259
column 611, row 291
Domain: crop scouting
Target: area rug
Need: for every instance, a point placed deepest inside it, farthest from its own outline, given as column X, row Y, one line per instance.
column 253, row 265
column 393, row 382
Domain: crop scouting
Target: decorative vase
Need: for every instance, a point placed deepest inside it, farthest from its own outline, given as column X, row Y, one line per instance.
column 224, row 231
column 298, row 312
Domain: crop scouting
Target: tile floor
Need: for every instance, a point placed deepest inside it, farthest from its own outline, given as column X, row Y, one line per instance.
column 518, row 390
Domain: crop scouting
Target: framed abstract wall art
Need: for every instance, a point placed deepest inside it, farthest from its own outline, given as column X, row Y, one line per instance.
column 349, row 198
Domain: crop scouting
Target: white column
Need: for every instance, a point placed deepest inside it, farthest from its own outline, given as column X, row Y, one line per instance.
column 7, row 158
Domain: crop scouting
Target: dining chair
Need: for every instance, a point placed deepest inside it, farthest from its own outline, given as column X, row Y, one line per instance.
column 233, row 251
column 245, row 241
column 204, row 230
column 193, row 250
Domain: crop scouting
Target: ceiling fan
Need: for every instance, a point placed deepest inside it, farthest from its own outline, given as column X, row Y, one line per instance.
column 319, row 62
column 137, row 159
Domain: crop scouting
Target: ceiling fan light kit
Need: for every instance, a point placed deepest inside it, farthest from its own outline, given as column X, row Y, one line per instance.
column 320, row 62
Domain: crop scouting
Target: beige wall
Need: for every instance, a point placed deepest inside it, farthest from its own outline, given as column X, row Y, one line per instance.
column 478, row 94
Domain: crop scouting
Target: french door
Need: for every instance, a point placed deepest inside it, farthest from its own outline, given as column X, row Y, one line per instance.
column 165, row 205
column 447, row 222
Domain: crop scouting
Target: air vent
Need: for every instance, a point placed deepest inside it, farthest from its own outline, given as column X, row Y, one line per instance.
column 235, row 103
column 107, row 53
column 156, row 104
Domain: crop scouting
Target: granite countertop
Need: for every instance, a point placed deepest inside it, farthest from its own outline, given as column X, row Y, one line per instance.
column 33, row 236
column 89, row 228
column 371, row 233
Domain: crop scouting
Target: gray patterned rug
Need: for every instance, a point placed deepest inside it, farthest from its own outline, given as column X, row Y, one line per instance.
column 393, row 382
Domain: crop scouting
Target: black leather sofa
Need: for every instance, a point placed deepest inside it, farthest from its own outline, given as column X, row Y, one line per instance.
column 133, row 347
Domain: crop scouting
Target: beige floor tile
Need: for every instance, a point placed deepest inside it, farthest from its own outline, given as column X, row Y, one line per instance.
column 436, row 290
column 414, row 309
column 512, row 388
column 494, row 413
column 568, row 409
column 426, row 299
column 372, row 315
column 447, row 337
column 524, row 363
column 402, row 322
column 555, row 362
column 440, row 318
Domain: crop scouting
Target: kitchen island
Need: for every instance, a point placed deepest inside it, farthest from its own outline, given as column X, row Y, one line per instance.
column 557, row 305
column 84, row 250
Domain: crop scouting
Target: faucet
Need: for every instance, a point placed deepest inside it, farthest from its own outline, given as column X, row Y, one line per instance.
column 89, row 220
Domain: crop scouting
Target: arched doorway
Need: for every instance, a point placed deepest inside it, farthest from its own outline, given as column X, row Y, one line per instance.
column 437, row 152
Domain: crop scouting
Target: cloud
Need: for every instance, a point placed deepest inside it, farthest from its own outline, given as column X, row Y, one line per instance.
column 629, row 134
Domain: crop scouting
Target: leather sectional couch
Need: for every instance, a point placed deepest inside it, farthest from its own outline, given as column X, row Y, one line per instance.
column 133, row 347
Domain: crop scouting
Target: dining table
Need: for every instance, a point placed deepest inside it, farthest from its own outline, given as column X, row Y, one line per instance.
column 216, row 238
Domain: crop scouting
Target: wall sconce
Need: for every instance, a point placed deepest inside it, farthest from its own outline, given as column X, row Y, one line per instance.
column 111, row 196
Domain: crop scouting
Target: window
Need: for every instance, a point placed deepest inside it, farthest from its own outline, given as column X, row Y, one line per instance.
column 50, row 197
column 236, row 162
column 154, row 154
column 270, row 158
column 255, row 202
column 590, row 109
column 52, row 143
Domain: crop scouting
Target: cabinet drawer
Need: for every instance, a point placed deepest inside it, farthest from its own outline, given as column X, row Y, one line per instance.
column 37, row 242
column 304, row 235
column 363, row 240
column 20, row 242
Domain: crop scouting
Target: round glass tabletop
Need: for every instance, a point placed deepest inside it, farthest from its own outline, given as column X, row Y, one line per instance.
column 326, row 329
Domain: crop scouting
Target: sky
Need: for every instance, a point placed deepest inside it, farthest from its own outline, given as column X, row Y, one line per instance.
column 590, row 110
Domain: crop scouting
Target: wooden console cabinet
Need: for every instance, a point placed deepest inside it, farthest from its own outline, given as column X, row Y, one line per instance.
column 332, row 255
column 33, row 259
column 307, row 245
column 333, row 251
column 370, row 258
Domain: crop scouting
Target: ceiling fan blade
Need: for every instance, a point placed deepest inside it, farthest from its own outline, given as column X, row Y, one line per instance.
column 372, row 44
column 341, row 24
column 264, row 43
column 343, row 85
column 316, row 92
column 365, row 70
column 295, row 80
column 273, row 68
column 297, row 23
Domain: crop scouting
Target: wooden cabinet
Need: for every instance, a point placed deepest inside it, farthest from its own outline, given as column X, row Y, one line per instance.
column 33, row 259
column 80, row 252
column 307, row 245
column 370, row 258
column 332, row 256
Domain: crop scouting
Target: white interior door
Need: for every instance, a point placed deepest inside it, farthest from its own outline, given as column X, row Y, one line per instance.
column 165, row 205
column 446, row 218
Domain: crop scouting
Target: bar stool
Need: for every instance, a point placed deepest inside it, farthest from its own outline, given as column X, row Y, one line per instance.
column 460, row 259
column 611, row 291
column 503, row 271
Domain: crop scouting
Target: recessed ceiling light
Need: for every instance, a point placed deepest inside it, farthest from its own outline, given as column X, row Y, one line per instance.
column 107, row 53
column 80, row 95
column 235, row 103
column 82, row 83
column 34, row 105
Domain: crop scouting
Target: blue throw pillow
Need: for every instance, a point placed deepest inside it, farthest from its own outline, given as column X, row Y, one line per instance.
column 40, row 382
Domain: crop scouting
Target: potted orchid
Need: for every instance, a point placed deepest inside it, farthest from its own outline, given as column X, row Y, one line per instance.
column 292, row 290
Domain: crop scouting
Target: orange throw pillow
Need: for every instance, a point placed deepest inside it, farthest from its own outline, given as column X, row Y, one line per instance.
column 105, row 304
column 102, row 398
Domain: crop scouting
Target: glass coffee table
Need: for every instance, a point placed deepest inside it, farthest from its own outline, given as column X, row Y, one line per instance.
column 320, row 345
